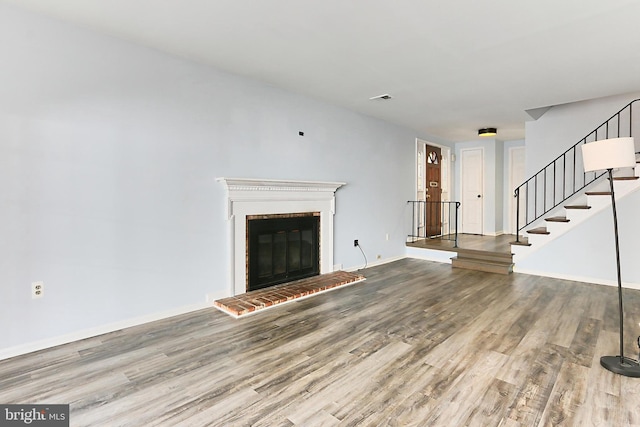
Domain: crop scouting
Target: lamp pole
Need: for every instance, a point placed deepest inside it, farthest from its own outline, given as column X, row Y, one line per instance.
column 619, row 364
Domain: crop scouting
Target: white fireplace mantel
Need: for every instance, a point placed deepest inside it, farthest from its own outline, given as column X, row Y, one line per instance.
column 246, row 196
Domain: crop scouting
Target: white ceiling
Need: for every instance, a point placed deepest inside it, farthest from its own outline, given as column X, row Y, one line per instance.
column 451, row 66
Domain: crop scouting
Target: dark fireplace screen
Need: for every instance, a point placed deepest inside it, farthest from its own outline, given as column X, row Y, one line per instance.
column 282, row 249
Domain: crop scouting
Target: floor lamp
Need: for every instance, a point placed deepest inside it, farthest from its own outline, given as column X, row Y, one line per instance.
column 609, row 154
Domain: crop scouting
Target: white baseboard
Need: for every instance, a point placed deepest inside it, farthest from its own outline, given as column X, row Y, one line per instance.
column 495, row 234
column 375, row 263
column 575, row 278
column 21, row 349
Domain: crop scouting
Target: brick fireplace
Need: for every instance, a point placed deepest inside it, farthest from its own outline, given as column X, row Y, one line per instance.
column 253, row 198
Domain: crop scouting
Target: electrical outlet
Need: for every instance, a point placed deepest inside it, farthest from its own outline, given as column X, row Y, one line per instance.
column 37, row 289
column 355, row 243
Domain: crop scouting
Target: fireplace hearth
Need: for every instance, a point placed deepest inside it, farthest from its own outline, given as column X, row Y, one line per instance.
column 282, row 248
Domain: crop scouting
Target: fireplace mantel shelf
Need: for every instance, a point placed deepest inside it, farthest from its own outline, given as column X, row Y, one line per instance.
column 251, row 184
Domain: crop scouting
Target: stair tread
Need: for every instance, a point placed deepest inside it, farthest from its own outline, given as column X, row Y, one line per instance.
column 539, row 230
column 625, row 178
column 598, row 193
column 557, row 219
column 520, row 243
column 577, row 207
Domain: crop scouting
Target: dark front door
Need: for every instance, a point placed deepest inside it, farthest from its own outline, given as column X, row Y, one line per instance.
column 434, row 192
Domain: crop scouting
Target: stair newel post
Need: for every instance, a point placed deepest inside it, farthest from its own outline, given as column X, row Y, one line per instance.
column 425, row 228
column 413, row 220
column 517, row 196
column 455, row 243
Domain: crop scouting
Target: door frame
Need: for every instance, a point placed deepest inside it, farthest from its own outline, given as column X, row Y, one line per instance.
column 445, row 170
column 446, row 174
column 462, row 172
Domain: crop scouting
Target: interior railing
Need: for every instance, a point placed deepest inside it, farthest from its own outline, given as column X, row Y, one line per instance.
column 434, row 219
column 564, row 176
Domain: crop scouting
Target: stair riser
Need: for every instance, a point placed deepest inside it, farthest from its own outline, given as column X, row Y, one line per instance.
column 471, row 253
column 624, row 186
column 597, row 202
column 499, row 269
column 506, row 258
column 577, row 215
column 556, row 227
column 537, row 239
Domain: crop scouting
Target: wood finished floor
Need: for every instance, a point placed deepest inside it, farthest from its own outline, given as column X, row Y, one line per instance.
column 418, row 343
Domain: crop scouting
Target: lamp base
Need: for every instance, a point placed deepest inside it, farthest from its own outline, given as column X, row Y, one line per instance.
column 628, row 367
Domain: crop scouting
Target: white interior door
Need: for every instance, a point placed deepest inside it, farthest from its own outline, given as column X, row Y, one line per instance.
column 472, row 168
column 516, row 177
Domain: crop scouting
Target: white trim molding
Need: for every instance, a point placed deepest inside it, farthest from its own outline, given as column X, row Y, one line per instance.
column 246, row 196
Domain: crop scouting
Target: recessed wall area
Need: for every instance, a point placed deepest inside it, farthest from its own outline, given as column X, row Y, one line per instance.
column 250, row 197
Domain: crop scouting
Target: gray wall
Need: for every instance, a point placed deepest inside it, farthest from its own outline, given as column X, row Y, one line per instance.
column 108, row 158
column 564, row 125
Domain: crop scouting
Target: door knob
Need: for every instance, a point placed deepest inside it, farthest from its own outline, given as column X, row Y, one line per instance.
column 479, row 196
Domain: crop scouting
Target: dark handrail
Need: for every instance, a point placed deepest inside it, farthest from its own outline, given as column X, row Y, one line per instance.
column 434, row 219
column 573, row 179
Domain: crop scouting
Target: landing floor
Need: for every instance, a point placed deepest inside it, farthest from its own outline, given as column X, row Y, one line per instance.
column 499, row 244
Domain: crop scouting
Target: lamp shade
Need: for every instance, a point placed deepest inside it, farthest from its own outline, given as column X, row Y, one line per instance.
column 609, row 154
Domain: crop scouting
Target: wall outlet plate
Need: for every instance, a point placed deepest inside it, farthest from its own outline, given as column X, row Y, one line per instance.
column 37, row 289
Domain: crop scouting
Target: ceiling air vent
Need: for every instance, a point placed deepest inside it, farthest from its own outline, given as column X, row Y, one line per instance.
column 385, row 97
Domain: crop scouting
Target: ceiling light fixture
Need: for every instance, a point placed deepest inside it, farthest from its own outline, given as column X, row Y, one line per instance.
column 487, row 132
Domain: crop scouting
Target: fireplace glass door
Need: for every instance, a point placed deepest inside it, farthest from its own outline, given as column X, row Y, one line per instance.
column 282, row 249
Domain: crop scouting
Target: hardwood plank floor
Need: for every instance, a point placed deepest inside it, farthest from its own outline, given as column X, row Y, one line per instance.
column 416, row 344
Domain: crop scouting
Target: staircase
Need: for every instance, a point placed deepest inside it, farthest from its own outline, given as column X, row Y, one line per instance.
column 578, row 209
column 490, row 262
column 561, row 195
